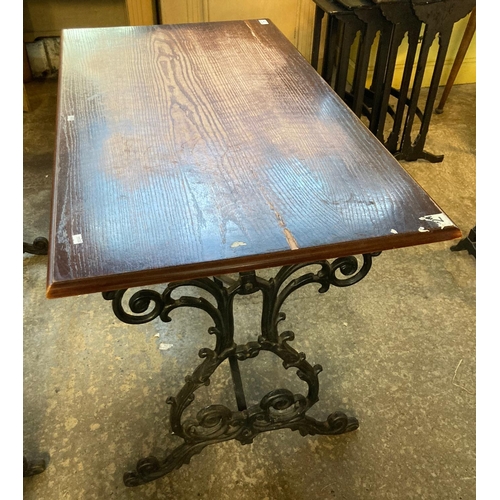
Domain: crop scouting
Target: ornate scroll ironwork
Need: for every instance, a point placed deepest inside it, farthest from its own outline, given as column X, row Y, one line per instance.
column 40, row 246
column 279, row 408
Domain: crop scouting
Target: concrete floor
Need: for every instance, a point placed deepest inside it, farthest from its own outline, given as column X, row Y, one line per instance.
column 398, row 352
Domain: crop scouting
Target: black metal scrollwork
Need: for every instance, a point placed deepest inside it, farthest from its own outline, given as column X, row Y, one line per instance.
column 278, row 409
column 40, row 246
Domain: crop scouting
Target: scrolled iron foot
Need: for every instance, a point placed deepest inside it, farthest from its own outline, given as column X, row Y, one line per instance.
column 336, row 423
column 147, row 469
column 40, row 246
column 150, row 468
column 242, row 426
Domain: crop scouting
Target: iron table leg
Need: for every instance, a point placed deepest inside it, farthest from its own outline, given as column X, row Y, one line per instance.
column 279, row 408
column 40, row 246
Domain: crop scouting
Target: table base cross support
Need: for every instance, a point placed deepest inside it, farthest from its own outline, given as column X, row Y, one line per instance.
column 279, row 408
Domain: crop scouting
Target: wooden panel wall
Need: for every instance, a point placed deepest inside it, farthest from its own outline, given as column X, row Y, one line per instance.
column 141, row 12
column 293, row 17
column 46, row 18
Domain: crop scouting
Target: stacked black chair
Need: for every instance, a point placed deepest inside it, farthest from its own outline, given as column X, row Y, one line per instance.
column 421, row 21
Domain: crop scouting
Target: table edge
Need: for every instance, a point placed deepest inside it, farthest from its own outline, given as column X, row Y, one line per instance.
column 60, row 289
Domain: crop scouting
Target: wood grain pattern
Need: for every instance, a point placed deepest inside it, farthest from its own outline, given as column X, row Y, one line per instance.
column 193, row 150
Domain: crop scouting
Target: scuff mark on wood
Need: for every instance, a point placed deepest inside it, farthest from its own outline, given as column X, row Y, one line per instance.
column 292, row 242
column 238, row 244
column 251, row 30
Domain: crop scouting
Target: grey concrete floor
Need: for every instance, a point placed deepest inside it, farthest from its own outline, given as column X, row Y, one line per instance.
column 398, row 352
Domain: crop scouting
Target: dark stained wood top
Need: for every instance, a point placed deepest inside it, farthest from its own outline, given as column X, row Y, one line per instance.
column 201, row 149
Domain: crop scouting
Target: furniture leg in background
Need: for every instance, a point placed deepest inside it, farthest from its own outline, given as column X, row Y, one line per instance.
column 468, row 243
column 40, row 245
column 26, row 103
column 392, row 20
column 26, row 78
column 457, row 64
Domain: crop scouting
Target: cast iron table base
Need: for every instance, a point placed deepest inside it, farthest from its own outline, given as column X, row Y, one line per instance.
column 279, row 408
column 40, row 246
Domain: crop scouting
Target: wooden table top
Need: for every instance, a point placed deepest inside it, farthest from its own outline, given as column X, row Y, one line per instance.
column 196, row 150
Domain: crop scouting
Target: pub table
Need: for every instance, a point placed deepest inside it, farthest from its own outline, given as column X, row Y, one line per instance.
column 185, row 153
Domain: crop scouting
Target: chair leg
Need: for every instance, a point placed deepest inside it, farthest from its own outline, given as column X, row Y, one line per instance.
column 462, row 50
column 468, row 243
